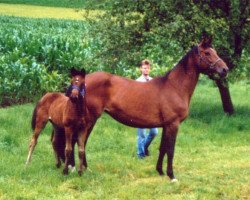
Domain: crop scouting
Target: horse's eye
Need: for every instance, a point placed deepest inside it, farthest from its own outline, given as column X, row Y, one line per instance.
column 207, row 53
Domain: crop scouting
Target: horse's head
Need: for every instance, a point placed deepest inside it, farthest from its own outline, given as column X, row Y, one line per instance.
column 209, row 62
column 77, row 87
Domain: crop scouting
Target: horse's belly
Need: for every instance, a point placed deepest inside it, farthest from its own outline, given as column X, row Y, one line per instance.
column 56, row 115
column 138, row 121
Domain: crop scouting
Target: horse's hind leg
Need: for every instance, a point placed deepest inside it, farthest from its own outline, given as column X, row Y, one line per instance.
column 82, row 139
column 39, row 127
column 85, row 164
column 58, row 143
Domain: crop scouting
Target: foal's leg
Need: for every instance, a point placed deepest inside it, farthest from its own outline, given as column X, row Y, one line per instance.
column 58, row 143
column 82, row 139
column 54, row 145
column 38, row 128
column 167, row 146
column 85, row 164
column 68, row 147
column 72, row 155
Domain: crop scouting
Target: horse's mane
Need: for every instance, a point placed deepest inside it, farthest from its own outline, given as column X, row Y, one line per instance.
column 183, row 62
column 184, row 59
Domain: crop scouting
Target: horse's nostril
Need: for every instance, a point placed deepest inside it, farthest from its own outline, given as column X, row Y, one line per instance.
column 224, row 72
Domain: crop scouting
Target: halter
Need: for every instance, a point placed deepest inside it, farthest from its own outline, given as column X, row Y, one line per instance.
column 82, row 92
column 211, row 66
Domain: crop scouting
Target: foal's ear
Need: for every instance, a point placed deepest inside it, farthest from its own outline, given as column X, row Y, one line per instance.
column 82, row 72
column 73, row 72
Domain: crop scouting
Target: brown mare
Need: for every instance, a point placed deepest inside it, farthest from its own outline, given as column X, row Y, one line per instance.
column 162, row 102
column 67, row 113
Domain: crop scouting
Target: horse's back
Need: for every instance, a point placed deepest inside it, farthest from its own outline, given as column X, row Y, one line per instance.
column 134, row 103
column 50, row 100
column 51, row 97
column 123, row 98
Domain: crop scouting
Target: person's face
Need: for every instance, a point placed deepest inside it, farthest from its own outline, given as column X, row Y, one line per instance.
column 145, row 69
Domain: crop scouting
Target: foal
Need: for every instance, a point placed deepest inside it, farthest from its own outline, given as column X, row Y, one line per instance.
column 63, row 112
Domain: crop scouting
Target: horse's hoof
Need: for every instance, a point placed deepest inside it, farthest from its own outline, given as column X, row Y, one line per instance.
column 79, row 173
column 174, row 180
column 65, row 171
column 58, row 165
column 71, row 168
column 160, row 172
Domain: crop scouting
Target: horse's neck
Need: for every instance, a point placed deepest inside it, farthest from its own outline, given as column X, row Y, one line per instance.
column 78, row 107
column 184, row 79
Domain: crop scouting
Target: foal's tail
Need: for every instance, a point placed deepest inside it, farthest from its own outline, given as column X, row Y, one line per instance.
column 33, row 121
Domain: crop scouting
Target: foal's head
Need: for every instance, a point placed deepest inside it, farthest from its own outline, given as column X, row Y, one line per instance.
column 77, row 88
column 209, row 62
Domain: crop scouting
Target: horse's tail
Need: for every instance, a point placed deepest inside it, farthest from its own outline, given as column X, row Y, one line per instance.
column 33, row 121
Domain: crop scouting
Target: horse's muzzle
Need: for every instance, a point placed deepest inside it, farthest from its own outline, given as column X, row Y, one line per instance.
column 223, row 71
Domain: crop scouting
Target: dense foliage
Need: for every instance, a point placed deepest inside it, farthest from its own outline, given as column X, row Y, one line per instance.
column 36, row 55
column 159, row 29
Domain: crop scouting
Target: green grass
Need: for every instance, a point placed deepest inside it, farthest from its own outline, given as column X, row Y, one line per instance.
column 211, row 157
column 92, row 4
column 34, row 11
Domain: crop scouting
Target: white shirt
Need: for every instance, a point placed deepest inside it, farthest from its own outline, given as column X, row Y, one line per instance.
column 143, row 78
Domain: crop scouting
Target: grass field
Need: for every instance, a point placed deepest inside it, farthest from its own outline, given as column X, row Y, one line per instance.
column 211, row 158
column 85, row 4
column 34, row 11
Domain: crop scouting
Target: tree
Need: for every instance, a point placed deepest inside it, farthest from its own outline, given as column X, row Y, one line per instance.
column 157, row 28
column 236, row 15
column 205, row 15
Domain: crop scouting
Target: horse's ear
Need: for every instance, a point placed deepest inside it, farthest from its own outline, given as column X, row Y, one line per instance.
column 83, row 72
column 73, row 72
column 206, row 40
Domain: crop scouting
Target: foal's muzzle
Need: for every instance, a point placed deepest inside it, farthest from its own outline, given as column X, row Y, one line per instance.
column 74, row 94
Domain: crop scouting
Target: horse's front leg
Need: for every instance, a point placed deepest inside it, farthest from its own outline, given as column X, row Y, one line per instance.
column 162, row 153
column 68, row 148
column 82, row 139
column 167, row 146
column 85, row 143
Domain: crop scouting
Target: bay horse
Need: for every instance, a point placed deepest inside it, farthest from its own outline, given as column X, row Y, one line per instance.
column 65, row 113
column 162, row 102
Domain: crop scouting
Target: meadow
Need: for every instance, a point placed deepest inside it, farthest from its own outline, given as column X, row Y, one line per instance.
column 212, row 150
column 35, row 11
column 211, row 158
column 85, row 4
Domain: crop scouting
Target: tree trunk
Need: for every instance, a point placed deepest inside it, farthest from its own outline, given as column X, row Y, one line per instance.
column 225, row 96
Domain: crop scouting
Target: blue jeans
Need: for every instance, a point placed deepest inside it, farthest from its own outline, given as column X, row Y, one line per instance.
column 143, row 140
